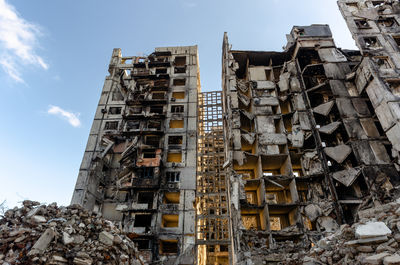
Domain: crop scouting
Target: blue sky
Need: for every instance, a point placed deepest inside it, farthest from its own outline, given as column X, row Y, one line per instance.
column 54, row 57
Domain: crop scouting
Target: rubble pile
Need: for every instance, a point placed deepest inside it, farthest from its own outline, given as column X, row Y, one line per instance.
column 40, row 234
column 374, row 239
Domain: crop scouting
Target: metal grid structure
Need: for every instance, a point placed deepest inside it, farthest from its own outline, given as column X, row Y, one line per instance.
column 212, row 235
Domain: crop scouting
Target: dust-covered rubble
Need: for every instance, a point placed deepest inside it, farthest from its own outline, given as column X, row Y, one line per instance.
column 40, row 234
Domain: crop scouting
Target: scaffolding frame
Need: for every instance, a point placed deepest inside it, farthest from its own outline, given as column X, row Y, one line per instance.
column 212, row 217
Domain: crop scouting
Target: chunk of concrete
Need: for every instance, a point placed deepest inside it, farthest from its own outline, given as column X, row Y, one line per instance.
column 371, row 240
column 39, row 219
column 272, row 138
column 392, row 260
column 338, row 153
column 43, row 242
column 265, row 85
column 375, row 259
column 284, row 82
column 324, row 108
column 312, row 211
column 330, row 128
column 249, row 137
column 331, row 55
column 106, row 238
column 372, row 229
column 347, row 176
column 67, row 238
column 328, row 223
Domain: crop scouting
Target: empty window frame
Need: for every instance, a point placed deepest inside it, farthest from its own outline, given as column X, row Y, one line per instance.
column 161, row 70
column 168, row 247
column 152, row 140
column 352, row 6
column 169, row 220
column 114, row 110
column 171, row 197
column 394, row 84
column 176, row 124
column 157, row 109
column 178, row 95
column 146, row 197
column 154, row 125
column 174, row 157
column 177, row 109
column 383, row 62
column 111, row 125
column 142, row 220
column 142, row 244
column 371, row 42
column 135, row 110
column 149, row 153
column 179, row 82
column 180, row 61
column 175, row 139
column 397, row 39
column 173, row 176
column 388, row 22
column 377, row 3
column 362, row 23
column 145, row 173
column 180, row 70
column 158, row 95
column 133, row 125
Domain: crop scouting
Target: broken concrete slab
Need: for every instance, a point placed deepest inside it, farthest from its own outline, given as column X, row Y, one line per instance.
column 375, row 259
column 43, row 242
column 392, row 260
column 106, row 238
column 324, row 108
column 330, row 128
column 248, row 137
column 338, row 153
column 347, row 176
column 284, row 82
column 372, row 229
column 370, row 240
column 331, row 55
column 312, row 211
column 272, row 138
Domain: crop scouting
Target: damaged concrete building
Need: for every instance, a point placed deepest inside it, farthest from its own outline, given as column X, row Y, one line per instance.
column 296, row 143
column 139, row 166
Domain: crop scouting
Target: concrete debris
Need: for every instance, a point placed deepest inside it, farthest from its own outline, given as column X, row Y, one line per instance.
column 312, row 211
column 330, row 128
column 324, row 108
column 73, row 235
column 372, row 229
column 347, row 176
column 338, row 153
column 376, row 243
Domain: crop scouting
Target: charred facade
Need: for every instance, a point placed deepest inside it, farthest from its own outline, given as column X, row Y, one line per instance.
column 139, row 167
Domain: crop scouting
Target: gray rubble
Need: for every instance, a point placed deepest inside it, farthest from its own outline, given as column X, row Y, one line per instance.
column 40, row 234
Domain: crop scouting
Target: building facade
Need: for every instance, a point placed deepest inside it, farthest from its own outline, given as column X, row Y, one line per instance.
column 297, row 143
column 139, row 167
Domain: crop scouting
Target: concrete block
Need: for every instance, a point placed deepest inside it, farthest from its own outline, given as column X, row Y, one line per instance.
column 372, row 229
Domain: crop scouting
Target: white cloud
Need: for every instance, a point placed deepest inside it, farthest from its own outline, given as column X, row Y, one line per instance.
column 72, row 118
column 18, row 41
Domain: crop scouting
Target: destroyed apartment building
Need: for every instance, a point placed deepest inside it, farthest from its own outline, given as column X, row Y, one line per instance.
column 296, row 143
